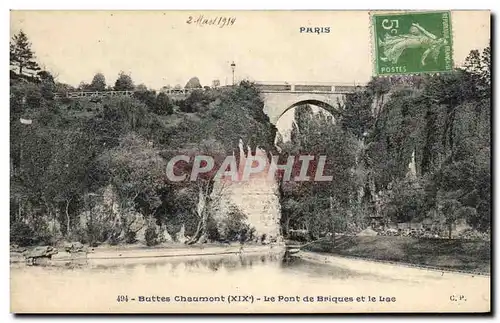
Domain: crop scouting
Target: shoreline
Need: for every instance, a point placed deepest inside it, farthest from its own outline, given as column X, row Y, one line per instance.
column 466, row 256
column 125, row 254
column 332, row 259
column 128, row 253
column 178, row 251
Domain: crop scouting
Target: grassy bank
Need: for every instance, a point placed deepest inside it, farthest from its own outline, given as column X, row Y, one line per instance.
column 463, row 255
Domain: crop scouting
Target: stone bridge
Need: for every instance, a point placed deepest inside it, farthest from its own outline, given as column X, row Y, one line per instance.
column 281, row 97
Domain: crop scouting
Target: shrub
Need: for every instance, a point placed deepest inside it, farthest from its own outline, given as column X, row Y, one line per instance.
column 164, row 105
column 130, row 237
column 247, row 234
column 93, row 236
column 125, row 113
column 114, row 237
column 235, row 226
column 196, row 101
column 151, row 236
column 33, row 96
column 21, row 234
column 16, row 98
column 212, row 230
column 66, row 100
column 80, row 234
column 47, row 90
column 148, row 97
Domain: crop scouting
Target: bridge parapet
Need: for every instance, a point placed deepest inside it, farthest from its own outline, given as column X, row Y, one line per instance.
column 308, row 88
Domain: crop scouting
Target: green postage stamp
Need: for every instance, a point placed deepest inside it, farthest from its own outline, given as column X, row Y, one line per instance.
column 412, row 43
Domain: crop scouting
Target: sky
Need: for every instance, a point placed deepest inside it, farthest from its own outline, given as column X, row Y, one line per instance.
column 160, row 48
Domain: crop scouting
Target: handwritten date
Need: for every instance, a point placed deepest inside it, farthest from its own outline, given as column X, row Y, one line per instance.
column 202, row 21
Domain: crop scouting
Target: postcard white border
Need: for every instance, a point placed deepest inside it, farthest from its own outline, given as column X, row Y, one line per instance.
column 188, row 4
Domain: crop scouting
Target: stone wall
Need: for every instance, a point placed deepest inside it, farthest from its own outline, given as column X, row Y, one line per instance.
column 257, row 198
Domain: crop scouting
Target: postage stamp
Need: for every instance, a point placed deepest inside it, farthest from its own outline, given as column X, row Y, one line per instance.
column 412, row 43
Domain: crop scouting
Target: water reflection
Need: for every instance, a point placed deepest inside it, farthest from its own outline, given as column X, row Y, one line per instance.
column 241, row 264
column 295, row 265
column 191, row 264
column 98, row 283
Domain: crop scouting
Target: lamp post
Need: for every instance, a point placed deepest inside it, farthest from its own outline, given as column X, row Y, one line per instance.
column 233, row 66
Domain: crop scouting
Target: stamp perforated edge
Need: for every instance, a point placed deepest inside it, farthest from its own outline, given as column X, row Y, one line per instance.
column 373, row 46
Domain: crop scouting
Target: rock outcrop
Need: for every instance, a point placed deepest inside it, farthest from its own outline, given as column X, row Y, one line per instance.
column 35, row 255
column 257, row 197
column 74, row 247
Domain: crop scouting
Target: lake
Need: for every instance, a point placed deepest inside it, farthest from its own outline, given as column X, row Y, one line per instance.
column 251, row 283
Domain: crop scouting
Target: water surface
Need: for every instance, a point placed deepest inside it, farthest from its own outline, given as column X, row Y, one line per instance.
column 296, row 285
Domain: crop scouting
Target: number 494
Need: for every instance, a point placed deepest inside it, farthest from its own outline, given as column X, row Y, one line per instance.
column 122, row 298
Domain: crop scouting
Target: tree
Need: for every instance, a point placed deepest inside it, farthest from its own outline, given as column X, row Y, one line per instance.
column 318, row 206
column 21, row 54
column 205, row 194
column 98, row 82
column 84, row 86
column 164, row 105
column 234, row 225
column 406, row 203
column 47, row 84
column 479, row 66
column 197, row 101
column 450, row 209
column 146, row 96
column 124, row 82
column 33, row 96
column 151, row 236
column 359, row 118
column 67, row 176
column 292, row 209
column 137, row 172
column 193, row 83
column 125, row 114
column 141, row 88
column 52, row 171
column 46, row 76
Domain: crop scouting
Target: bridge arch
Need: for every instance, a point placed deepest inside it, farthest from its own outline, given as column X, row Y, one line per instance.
column 322, row 104
column 277, row 103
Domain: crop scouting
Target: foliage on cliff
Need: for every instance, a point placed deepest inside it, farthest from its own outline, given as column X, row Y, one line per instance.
column 403, row 149
column 441, row 120
column 72, row 150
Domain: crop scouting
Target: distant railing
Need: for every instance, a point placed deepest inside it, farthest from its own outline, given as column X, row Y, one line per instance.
column 263, row 86
column 94, row 94
column 104, row 94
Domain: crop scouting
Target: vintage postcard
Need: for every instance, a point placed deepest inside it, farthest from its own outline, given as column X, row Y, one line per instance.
column 250, row 161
